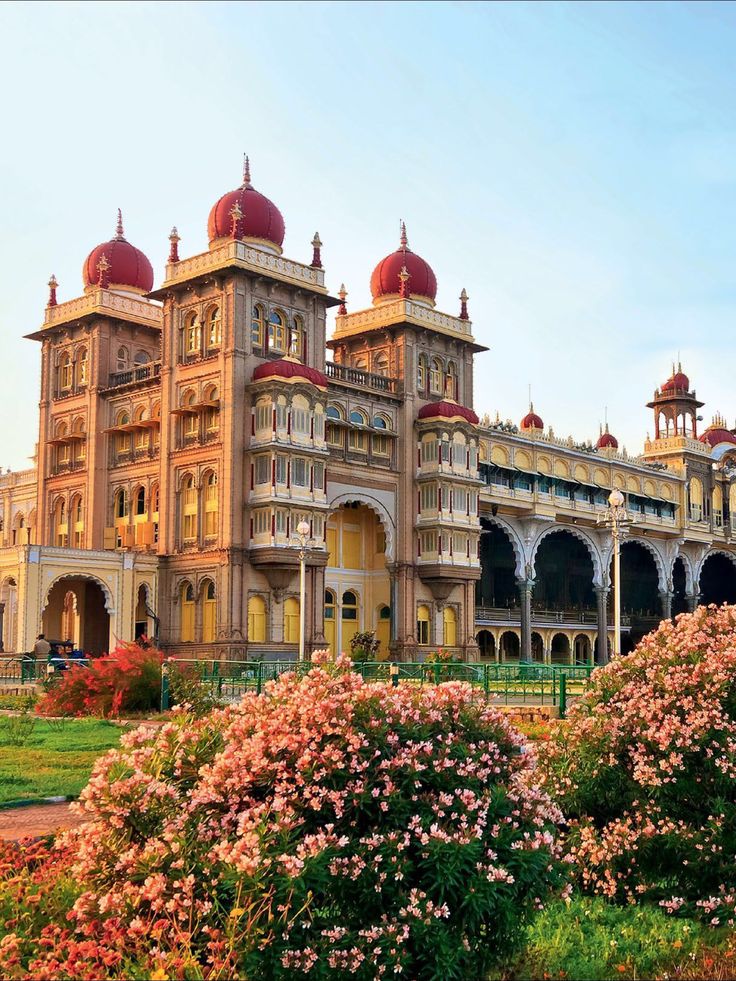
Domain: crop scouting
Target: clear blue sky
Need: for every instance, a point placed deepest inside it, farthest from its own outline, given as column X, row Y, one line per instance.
column 572, row 165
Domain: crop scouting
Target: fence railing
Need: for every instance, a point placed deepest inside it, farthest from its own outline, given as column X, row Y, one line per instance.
column 511, row 684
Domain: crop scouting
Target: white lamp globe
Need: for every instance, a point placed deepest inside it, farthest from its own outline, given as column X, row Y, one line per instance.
column 302, row 529
column 616, row 498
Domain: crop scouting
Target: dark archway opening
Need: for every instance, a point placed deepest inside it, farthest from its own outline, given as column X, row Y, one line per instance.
column 537, row 648
column 88, row 604
column 564, row 574
column 717, row 581
column 640, row 600
column 679, row 588
column 497, row 584
column 486, row 644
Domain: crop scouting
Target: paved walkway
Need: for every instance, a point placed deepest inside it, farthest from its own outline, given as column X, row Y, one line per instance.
column 36, row 820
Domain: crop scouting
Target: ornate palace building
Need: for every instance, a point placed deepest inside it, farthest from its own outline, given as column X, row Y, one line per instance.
column 186, row 428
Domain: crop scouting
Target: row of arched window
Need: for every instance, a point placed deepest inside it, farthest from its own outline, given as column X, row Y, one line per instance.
column 200, row 336
column 195, row 501
column 436, row 376
column 258, row 620
column 69, row 445
column 200, row 417
column 360, row 428
column 72, row 370
column 137, row 431
column 21, row 530
column 424, row 626
column 136, row 515
column 376, row 363
column 273, row 332
column 207, row 602
column 67, row 522
column 700, row 507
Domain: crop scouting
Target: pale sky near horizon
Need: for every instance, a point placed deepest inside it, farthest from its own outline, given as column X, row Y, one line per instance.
column 572, row 165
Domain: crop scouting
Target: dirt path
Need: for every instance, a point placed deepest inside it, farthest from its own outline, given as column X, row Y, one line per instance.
column 36, row 820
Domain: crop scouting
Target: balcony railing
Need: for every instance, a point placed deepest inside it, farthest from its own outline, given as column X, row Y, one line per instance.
column 504, row 614
column 365, row 379
column 132, row 376
column 67, row 466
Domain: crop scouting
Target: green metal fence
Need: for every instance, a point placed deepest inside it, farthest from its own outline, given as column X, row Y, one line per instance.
column 510, row 684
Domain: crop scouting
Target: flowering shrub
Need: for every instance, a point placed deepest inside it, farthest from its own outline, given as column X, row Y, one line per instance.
column 646, row 770
column 128, row 680
column 328, row 829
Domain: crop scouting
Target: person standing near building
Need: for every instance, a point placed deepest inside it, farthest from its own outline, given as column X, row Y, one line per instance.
column 41, row 648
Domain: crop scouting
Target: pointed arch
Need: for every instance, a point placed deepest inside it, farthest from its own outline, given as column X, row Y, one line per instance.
column 513, row 536
column 361, row 497
column 663, row 574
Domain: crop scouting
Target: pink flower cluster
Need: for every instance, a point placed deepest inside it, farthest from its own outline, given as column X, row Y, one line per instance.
column 326, row 829
column 646, row 770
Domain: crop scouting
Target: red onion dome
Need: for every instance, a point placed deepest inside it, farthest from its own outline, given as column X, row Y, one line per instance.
column 531, row 420
column 678, row 381
column 118, row 265
column 246, row 214
column 289, row 370
column 389, row 279
column 447, row 409
column 606, row 441
column 717, row 432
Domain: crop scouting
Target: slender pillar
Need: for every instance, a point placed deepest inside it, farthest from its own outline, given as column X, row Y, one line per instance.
column 601, row 593
column 2, row 617
column 525, row 597
column 692, row 601
column 665, row 598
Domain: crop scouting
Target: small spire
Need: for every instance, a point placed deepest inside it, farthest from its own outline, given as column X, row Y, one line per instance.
column 236, row 214
column 53, row 284
column 464, row 304
column 404, row 276
column 403, row 241
column 316, row 252
column 246, row 171
column 119, row 234
column 342, row 293
column 103, row 267
column 174, row 249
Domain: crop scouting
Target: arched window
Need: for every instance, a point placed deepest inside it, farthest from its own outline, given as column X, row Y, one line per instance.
column 140, row 501
column 190, row 422
column 451, row 381
column 61, row 528
column 358, row 438
column 187, row 612
column 123, row 359
column 121, row 506
column 256, row 620
column 141, row 358
column 192, row 335
column 154, row 499
column 360, row 363
column 449, row 619
column 718, row 506
column 422, row 373
column 333, row 412
column 380, row 363
column 349, row 605
column 696, row 499
column 330, row 609
column 189, row 509
column 257, row 327
column 156, row 430
column 423, row 625
column 291, row 621
column 277, row 332
column 210, row 505
column 209, row 613
column 82, row 367
column 122, row 436
column 77, row 517
column 435, row 377
column 212, row 410
column 379, row 422
column 296, row 344
column 214, row 328
column 66, row 375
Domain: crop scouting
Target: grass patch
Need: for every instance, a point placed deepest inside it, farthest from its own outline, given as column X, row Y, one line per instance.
column 592, row 940
column 55, row 759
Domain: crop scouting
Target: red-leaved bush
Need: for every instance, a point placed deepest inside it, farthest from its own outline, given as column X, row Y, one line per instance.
column 645, row 771
column 128, row 680
column 327, row 829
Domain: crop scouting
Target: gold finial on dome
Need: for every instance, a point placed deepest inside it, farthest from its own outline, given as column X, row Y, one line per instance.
column 403, row 241
column 103, row 267
column 119, row 233
column 174, row 239
column 342, row 293
column 246, row 171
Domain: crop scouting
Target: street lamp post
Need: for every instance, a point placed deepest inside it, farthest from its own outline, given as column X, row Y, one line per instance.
column 617, row 518
column 302, row 532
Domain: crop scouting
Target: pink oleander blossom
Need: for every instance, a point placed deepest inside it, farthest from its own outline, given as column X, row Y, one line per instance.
column 326, row 829
column 645, row 770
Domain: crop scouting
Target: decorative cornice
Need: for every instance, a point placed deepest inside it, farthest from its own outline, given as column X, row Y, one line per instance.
column 402, row 311
column 103, row 303
column 245, row 256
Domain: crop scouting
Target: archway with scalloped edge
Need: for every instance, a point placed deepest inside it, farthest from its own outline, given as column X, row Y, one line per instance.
column 721, row 588
column 595, row 556
column 387, row 522
column 513, row 536
column 106, row 591
column 659, row 561
column 687, row 565
column 94, row 609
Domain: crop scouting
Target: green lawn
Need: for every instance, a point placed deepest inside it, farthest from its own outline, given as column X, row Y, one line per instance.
column 56, row 757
